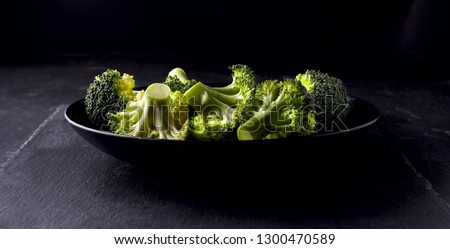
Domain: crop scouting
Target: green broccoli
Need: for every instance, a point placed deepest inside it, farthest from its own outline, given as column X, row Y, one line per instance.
column 219, row 109
column 157, row 113
column 109, row 92
column 178, row 80
column 279, row 109
column 328, row 95
column 181, row 107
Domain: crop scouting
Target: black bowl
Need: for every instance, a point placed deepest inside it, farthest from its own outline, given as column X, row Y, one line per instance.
column 309, row 167
column 142, row 151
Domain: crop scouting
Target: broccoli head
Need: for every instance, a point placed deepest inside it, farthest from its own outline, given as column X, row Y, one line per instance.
column 211, row 128
column 108, row 93
column 278, row 110
column 327, row 95
column 157, row 113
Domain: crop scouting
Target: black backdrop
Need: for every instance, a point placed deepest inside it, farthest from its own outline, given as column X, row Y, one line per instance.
column 371, row 33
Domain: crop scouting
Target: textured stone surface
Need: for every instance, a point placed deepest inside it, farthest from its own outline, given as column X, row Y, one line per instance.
column 395, row 176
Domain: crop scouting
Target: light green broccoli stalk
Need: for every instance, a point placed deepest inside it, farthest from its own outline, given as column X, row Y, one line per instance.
column 218, row 109
column 159, row 113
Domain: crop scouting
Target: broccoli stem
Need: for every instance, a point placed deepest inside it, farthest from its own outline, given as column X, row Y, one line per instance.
column 158, row 94
column 255, row 128
column 201, row 94
column 179, row 73
column 206, row 100
column 156, row 110
column 229, row 90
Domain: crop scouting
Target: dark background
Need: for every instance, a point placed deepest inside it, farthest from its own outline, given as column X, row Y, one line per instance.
column 400, row 37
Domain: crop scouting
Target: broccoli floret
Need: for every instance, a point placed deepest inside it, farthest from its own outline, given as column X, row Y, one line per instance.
column 278, row 110
column 328, row 95
column 109, row 92
column 219, row 109
column 178, row 80
column 160, row 113
column 212, row 129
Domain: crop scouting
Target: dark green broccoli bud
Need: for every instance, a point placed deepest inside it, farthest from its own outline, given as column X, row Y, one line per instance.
column 109, row 92
column 278, row 110
column 178, row 80
column 328, row 95
column 219, row 109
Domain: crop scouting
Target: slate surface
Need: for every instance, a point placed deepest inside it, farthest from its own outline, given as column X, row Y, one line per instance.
column 394, row 176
